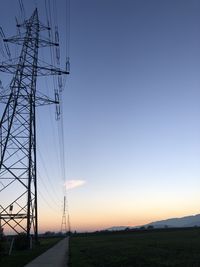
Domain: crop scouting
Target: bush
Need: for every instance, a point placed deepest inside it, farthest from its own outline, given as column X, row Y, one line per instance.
column 2, row 242
column 150, row 227
column 1, row 247
column 21, row 242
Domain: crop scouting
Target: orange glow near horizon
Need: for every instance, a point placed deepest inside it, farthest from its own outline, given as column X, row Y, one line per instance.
column 100, row 214
column 50, row 221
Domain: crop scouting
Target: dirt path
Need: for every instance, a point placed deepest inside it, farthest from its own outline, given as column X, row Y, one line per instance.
column 54, row 257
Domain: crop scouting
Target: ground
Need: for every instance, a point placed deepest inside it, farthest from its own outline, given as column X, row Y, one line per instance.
column 150, row 248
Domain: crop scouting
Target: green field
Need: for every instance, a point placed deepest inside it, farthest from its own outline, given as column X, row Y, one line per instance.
column 168, row 247
column 20, row 258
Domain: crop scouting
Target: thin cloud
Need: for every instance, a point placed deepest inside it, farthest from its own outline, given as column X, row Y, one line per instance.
column 74, row 183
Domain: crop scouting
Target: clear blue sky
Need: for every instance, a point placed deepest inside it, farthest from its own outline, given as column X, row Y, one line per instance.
column 131, row 109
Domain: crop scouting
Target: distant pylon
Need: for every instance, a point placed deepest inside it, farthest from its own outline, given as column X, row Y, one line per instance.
column 64, row 220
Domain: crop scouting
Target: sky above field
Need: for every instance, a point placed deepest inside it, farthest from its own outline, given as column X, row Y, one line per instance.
column 131, row 111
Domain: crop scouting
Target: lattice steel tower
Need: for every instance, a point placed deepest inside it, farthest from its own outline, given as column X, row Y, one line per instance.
column 18, row 168
column 64, row 220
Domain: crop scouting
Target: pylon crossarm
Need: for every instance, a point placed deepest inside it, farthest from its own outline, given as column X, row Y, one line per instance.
column 42, row 27
column 20, row 40
column 10, row 216
column 41, row 71
column 39, row 100
column 42, row 101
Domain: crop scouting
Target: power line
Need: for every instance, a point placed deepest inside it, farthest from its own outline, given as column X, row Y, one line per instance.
column 46, row 171
column 45, row 201
column 50, row 195
column 22, row 11
column 55, row 59
column 68, row 27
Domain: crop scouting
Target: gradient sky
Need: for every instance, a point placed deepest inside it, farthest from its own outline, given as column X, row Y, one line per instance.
column 131, row 113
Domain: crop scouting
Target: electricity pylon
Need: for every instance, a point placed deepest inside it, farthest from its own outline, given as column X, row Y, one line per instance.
column 64, row 221
column 18, row 163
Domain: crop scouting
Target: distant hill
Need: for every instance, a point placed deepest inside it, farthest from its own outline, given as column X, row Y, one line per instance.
column 187, row 221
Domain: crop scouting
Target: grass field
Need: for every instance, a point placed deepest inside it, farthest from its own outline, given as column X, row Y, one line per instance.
column 20, row 258
column 150, row 248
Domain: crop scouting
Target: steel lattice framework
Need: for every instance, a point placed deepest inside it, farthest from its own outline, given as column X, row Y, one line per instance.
column 18, row 170
column 64, row 221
